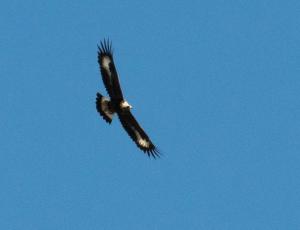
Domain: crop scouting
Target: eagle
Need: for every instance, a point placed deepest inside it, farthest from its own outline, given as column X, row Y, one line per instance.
column 116, row 104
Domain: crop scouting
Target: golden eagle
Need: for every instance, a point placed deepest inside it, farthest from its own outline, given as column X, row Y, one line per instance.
column 117, row 104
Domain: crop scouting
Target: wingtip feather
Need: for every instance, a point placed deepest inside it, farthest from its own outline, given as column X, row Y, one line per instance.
column 153, row 151
column 105, row 47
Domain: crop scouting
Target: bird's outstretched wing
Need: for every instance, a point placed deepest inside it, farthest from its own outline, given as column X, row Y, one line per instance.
column 108, row 70
column 137, row 134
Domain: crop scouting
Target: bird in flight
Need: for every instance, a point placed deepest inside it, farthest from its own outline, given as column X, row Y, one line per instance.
column 116, row 104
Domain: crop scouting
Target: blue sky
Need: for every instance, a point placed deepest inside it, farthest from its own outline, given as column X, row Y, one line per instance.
column 214, row 83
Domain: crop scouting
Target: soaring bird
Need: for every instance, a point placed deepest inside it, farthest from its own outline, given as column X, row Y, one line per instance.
column 116, row 104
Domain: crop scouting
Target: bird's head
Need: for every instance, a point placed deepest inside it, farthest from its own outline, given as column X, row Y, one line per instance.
column 125, row 105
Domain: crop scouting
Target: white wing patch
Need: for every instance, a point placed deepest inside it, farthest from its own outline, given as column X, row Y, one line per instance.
column 142, row 142
column 105, row 109
column 105, row 63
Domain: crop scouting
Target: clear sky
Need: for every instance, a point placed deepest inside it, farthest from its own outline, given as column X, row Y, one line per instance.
column 216, row 85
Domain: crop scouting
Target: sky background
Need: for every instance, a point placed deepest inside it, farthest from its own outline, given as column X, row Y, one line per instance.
column 216, row 85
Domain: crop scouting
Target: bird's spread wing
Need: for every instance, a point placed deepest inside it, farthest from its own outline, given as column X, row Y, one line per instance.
column 137, row 134
column 108, row 70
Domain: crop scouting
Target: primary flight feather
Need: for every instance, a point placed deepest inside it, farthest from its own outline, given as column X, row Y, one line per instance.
column 117, row 104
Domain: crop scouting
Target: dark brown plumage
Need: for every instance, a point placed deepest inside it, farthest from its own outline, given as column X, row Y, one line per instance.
column 117, row 104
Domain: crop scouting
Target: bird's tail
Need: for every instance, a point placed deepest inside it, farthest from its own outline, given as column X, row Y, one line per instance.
column 104, row 107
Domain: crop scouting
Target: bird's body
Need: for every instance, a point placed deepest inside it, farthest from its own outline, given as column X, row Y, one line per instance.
column 116, row 104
